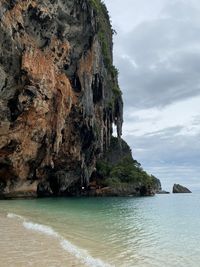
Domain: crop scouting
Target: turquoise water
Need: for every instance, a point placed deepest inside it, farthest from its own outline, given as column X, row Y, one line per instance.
column 154, row 231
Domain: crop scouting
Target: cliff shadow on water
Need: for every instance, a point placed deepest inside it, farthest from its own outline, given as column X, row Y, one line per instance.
column 59, row 99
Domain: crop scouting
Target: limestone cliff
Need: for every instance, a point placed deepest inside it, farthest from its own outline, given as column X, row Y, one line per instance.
column 59, row 95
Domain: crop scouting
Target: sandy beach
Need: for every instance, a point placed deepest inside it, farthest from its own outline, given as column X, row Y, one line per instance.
column 20, row 247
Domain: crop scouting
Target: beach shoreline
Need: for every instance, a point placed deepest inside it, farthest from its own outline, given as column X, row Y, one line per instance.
column 22, row 247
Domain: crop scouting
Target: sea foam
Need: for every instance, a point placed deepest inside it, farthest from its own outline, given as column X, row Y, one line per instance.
column 15, row 216
column 79, row 253
column 82, row 255
column 40, row 228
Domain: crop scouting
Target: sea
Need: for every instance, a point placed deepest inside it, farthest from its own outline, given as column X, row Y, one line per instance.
column 163, row 231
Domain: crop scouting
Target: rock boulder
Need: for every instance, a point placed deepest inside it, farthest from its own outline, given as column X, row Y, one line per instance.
column 177, row 188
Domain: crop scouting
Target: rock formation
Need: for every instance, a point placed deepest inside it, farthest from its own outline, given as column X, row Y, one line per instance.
column 119, row 174
column 59, row 95
column 162, row 192
column 177, row 188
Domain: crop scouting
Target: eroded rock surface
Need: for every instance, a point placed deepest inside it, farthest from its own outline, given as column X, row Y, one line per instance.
column 177, row 188
column 59, row 95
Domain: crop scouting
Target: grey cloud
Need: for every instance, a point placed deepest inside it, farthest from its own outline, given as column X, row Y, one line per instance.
column 182, row 10
column 168, row 146
column 196, row 120
column 165, row 133
column 159, row 62
column 146, row 88
column 167, row 154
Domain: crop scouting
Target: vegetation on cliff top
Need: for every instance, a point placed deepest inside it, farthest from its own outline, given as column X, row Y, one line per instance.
column 123, row 169
column 127, row 171
column 105, row 32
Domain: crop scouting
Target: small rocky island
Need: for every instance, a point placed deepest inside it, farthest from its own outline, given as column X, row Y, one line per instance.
column 177, row 188
column 59, row 100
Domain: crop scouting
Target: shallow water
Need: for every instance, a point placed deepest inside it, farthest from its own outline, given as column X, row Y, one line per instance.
column 144, row 232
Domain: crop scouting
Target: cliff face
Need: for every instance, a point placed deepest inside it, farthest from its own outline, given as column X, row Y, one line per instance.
column 118, row 174
column 59, row 95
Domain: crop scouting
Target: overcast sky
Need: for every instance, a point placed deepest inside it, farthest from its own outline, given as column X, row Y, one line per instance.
column 157, row 52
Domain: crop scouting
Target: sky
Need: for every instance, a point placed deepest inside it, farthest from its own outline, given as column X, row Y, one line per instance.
column 157, row 52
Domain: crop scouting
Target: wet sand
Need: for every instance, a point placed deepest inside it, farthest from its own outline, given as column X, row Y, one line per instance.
column 20, row 247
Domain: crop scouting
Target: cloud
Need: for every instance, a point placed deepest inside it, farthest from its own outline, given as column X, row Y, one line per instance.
column 184, row 113
column 160, row 58
column 168, row 154
column 168, row 145
column 128, row 13
column 182, row 10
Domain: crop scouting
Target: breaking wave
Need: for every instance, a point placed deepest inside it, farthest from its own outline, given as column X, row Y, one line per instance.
column 79, row 253
column 15, row 216
column 40, row 228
